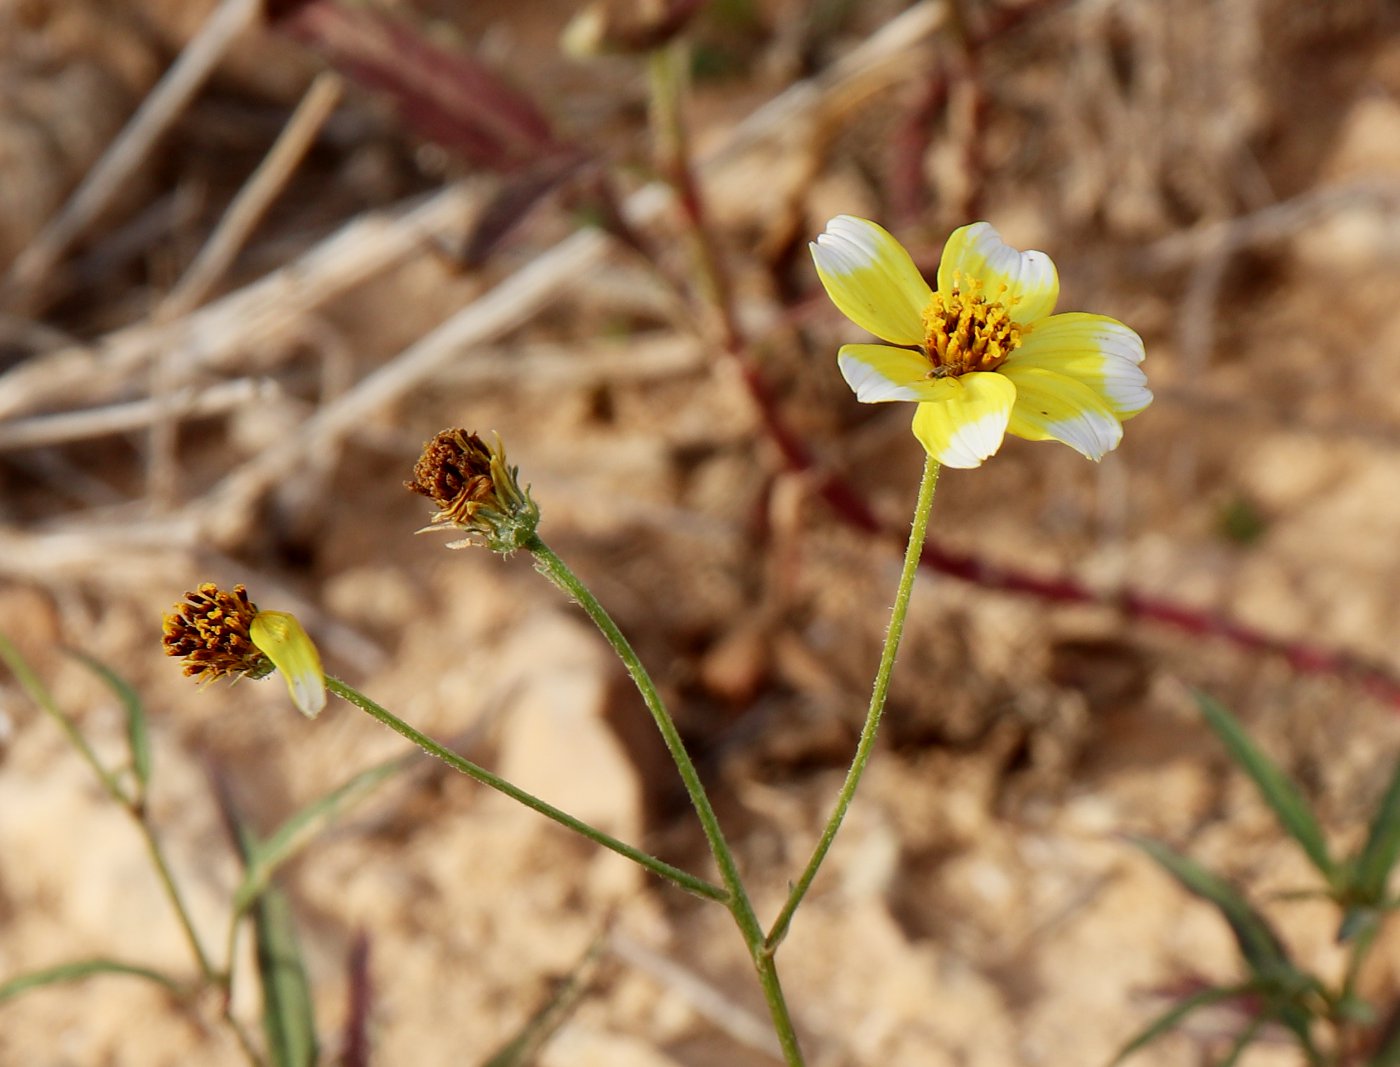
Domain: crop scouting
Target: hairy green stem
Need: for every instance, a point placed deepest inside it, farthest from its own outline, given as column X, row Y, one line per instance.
column 687, row 881
column 878, row 695
column 172, row 892
column 558, row 572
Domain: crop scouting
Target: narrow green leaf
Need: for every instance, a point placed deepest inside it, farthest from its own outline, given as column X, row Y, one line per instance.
column 1377, row 858
column 1260, row 946
column 264, row 859
column 1275, row 976
column 31, row 684
column 1358, row 922
column 521, row 1050
column 1297, row 1018
column 1243, row 1041
column 289, row 1022
column 289, row 1019
column 137, row 738
column 80, row 969
column 1175, row 1015
column 1278, row 791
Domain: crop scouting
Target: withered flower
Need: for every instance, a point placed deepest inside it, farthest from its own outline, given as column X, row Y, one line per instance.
column 475, row 491
column 220, row 634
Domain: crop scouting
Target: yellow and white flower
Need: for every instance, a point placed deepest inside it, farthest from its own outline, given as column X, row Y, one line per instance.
column 982, row 355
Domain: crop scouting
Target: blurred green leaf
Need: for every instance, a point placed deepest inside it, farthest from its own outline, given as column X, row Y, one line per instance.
column 1275, row 976
column 289, row 1022
column 1358, row 922
column 1278, row 791
column 137, row 739
column 522, row 1049
column 31, row 684
column 1174, row 1015
column 1260, row 946
column 1377, row 858
column 1241, row 521
column 289, row 1019
column 72, row 972
column 1242, row 1041
column 301, row 828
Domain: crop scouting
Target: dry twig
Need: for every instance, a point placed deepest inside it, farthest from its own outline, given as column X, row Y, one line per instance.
column 23, row 286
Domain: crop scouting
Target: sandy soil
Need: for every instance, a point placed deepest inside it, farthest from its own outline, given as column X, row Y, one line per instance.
column 1221, row 177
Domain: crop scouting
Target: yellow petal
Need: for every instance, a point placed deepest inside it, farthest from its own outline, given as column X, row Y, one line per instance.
column 877, row 373
column 870, row 277
column 1050, row 406
column 1026, row 282
column 965, row 422
column 1095, row 350
column 281, row 639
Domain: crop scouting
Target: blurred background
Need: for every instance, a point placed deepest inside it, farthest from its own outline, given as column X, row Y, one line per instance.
column 251, row 258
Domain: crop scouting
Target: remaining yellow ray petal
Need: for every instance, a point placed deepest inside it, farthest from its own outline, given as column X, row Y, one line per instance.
column 870, row 277
column 281, row 639
column 1050, row 406
column 1026, row 282
column 965, row 422
column 877, row 373
column 1098, row 351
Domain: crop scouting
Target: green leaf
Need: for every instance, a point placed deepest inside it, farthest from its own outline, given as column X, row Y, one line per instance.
column 289, row 1019
column 1275, row 976
column 1260, row 946
column 137, row 738
column 1176, row 1014
column 80, row 969
column 264, row 859
column 31, row 684
column 522, row 1049
column 1377, row 858
column 1358, row 922
column 1243, row 1041
column 1278, row 791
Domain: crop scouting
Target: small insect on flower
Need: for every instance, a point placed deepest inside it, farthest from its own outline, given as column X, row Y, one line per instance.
column 475, row 491
column 223, row 634
column 982, row 355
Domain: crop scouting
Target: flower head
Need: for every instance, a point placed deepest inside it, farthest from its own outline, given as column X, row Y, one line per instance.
column 982, row 355
column 219, row 634
column 475, row 491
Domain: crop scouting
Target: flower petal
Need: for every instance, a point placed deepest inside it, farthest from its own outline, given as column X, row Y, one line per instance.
column 965, row 422
column 1051, row 406
column 281, row 639
column 877, row 373
column 872, row 279
column 1098, row 351
column 1026, row 282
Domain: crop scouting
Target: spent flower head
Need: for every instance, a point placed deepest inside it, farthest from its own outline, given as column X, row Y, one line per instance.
column 475, row 491
column 222, row 634
column 982, row 355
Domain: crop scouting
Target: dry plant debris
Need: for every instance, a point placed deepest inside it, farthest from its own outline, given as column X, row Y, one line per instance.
column 244, row 280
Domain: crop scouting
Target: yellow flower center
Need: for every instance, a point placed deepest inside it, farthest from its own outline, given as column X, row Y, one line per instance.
column 965, row 332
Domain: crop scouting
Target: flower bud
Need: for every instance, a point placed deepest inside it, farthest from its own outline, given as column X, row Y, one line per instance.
column 475, row 491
